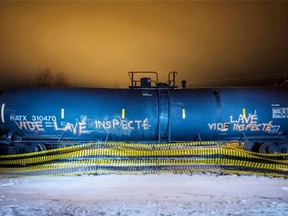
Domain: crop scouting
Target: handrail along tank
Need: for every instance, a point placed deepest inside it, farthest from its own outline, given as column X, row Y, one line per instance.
column 148, row 111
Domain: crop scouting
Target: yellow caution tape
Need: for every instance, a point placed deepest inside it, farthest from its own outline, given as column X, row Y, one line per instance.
column 113, row 157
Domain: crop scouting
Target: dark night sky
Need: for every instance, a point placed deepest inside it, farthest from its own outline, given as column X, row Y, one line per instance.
column 97, row 43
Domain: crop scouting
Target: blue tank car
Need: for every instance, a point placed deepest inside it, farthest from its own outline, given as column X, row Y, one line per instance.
column 148, row 111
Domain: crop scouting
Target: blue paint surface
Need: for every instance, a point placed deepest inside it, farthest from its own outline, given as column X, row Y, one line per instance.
column 145, row 114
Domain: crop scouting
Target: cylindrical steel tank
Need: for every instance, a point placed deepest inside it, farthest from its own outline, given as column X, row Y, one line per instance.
column 229, row 113
column 151, row 114
column 94, row 114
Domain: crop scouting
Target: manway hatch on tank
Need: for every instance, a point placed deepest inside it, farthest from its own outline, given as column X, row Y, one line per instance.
column 149, row 80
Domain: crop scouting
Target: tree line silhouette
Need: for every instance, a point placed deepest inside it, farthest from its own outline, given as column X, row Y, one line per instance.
column 46, row 78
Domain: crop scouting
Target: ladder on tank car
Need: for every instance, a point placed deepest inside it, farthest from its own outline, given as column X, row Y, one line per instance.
column 163, row 115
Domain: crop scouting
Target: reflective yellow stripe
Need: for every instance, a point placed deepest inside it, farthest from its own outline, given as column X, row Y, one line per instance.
column 123, row 113
column 183, row 113
column 62, row 113
column 244, row 112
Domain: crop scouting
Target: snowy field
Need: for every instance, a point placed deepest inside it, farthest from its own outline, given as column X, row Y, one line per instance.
column 147, row 195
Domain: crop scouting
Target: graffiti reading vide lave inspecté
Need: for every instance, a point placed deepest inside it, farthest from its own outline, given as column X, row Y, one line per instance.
column 83, row 125
column 244, row 122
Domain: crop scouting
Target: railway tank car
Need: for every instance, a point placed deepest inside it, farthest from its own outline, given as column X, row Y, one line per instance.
column 148, row 111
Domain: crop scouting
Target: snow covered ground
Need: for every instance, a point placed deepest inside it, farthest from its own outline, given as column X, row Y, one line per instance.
column 144, row 195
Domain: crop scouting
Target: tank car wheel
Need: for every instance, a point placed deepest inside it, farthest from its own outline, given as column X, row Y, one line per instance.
column 268, row 148
column 250, row 146
column 40, row 147
column 13, row 136
column 283, row 148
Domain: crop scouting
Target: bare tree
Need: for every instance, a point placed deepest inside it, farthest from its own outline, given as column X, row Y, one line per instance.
column 60, row 80
column 46, row 78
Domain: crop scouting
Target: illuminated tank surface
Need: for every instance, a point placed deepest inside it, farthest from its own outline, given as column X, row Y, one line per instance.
column 146, row 113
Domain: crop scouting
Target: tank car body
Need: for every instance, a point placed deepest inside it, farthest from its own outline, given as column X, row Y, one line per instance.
column 40, row 118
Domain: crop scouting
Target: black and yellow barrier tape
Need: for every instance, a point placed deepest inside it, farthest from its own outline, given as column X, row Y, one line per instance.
column 107, row 157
